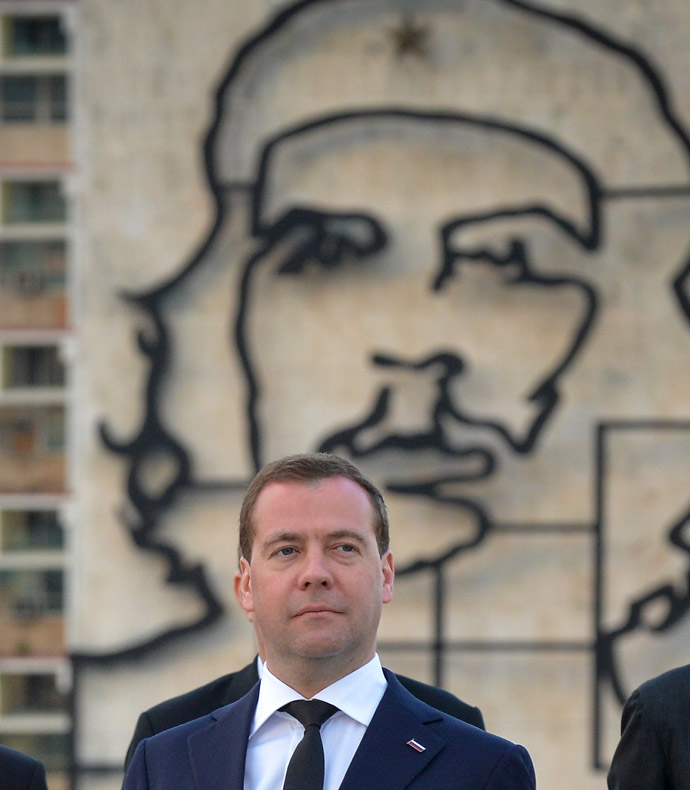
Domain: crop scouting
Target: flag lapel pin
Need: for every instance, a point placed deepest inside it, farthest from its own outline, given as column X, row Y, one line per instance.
column 416, row 746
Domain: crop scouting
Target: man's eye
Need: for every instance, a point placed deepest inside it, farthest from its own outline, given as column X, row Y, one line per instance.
column 285, row 551
column 347, row 548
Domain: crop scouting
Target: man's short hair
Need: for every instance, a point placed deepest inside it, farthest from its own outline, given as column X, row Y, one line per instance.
column 305, row 468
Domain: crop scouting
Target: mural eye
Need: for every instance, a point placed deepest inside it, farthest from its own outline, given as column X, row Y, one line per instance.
column 319, row 250
column 332, row 249
column 331, row 241
column 505, row 254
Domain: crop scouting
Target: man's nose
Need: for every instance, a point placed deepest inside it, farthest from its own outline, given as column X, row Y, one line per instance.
column 315, row 570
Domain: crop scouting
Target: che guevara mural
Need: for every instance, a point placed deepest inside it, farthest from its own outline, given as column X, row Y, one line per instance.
column 450, row 241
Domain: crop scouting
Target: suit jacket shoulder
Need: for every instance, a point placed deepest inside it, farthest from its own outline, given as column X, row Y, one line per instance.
column 18, row 771
column 410, row 744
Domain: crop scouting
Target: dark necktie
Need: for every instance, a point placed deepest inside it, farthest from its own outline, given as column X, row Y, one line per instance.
column 305, row 770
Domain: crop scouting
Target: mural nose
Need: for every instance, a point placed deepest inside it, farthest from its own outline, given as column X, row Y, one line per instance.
column 409, row 400
column 416, row 391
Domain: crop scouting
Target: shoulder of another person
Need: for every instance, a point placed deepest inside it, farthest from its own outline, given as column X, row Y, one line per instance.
column 178, row 734
column 443, row 700
column 675, row 681
column 29, row 767
column 190, row 705
column 670, row 690
column 203, row 699
column 210, row 690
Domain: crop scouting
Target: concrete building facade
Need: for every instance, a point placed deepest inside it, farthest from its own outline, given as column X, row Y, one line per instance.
column 36, row 335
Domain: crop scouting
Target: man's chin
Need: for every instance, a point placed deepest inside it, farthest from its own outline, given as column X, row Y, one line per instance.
column 319, row 644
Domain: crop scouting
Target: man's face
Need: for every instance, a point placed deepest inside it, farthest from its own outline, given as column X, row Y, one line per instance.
column 315, row 583
column 411, row 346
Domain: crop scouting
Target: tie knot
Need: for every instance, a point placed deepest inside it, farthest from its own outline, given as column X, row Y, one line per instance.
column 310, row 712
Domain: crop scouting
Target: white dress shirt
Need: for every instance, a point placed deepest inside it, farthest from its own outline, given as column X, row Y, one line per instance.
column 274, row 734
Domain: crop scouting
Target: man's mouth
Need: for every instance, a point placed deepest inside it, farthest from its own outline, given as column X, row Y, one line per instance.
column 316, row 609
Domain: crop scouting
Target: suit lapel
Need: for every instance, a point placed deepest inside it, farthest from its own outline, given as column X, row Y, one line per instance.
column 217, row 753
column 384, row 757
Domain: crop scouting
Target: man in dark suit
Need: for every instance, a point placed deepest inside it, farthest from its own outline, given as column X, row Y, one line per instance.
column 18, row 771
column 229, row 688
column 316, row 570
column 654, row 750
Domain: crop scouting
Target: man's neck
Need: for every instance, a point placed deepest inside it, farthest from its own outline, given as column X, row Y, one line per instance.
column 308, row 676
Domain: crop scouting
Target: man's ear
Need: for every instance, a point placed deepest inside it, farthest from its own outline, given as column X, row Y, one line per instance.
column 388, row 570
column 243, row 588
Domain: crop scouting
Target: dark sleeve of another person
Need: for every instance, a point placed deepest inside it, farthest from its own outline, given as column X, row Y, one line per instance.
column 639, row 761
column 38, row 777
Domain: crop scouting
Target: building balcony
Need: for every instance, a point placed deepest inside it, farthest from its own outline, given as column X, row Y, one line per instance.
column 34, row 145
column 32, row 455
column 41, row 635
column 33, row 474
column 32, row 280
column 45, row 310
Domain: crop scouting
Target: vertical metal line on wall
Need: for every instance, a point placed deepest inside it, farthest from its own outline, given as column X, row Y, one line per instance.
column 439, row 641
column 598, row 658
column 74, row 727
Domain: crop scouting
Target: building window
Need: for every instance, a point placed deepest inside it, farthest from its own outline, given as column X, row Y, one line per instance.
column 40, row 98
column 31, row 268
column 31, row 432
column 27, row 595
column 33, row 201
column 33, row 366
column 27, row 36
column 30, row 530
column 32, row 614
column 17, row 435
column 30, row 693
column 53, row 431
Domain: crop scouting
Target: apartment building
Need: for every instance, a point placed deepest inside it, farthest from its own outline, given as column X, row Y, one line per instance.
column 36, row 331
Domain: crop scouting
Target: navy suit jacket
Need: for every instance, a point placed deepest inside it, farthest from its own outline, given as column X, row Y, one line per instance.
column 18, row 771
column 209, row 752
column 229, row 688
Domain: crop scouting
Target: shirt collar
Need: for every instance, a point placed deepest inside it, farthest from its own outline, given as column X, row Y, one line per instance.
column 357, row 695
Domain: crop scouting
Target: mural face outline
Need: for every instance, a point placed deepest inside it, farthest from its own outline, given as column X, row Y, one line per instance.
column 322, row 240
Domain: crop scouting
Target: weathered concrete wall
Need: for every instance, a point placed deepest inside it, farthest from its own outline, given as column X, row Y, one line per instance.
column 540, row 463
